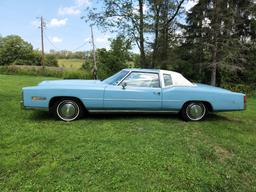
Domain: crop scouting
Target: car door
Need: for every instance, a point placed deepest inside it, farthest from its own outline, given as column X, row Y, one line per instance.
column 138, row 91
column 171, row 97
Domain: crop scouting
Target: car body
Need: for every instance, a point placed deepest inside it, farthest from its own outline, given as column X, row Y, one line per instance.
column 131, row 90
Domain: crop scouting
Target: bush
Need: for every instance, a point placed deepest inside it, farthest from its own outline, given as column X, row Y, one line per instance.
column 47, row 71
column 242, row 88
column 51, row 60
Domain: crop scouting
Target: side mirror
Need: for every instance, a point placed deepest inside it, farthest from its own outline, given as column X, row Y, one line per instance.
column 124, row 84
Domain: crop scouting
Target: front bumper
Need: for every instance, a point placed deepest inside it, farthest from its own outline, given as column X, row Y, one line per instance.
column 22, row 105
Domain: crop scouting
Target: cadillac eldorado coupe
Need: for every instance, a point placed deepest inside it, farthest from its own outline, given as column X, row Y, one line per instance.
column 131, row 90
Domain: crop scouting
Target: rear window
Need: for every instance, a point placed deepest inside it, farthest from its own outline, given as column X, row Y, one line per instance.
column 167, row 80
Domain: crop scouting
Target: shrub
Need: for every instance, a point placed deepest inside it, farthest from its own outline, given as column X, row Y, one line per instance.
column 47, row 71
column 242, row 88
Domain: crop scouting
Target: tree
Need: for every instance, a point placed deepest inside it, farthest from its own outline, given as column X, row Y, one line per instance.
column 114, row 60
column 163, row 14
column 218, row 33
column 14, row 48
column 125, row 17
column 135, row 20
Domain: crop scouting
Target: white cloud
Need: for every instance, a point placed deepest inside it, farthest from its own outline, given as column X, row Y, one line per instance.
column 58, row 22
column 87, row 39
column 74, row 9
column 36, row 23
column 103, row 39
column 69, row 11
column 190, row 4
column 82, row 3
column 56, row 39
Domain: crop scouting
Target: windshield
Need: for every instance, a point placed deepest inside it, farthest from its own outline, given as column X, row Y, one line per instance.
column 115, row 79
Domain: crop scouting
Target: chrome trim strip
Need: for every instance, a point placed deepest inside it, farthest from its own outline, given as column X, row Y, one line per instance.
column 171, row 100
column 139, row 100
column 130, row 111
column 36, row 108
column 98, row 99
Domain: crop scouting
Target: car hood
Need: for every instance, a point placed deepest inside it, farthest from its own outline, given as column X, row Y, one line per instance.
column 71, row 83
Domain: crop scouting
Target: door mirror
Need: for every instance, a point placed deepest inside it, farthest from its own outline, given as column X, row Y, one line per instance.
column 124, row 84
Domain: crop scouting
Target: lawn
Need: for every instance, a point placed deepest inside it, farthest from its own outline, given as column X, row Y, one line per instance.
column 123, row 152
column 70, row 63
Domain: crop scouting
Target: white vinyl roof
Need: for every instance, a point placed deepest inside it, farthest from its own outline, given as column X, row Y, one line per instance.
column 177, row 78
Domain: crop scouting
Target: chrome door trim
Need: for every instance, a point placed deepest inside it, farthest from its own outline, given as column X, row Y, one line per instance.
column 130, row 111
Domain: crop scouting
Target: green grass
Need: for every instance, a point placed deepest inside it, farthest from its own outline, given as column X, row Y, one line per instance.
column 123, row 152
column 70, row 63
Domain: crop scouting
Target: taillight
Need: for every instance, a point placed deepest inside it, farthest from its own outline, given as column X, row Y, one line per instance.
column 245, row 102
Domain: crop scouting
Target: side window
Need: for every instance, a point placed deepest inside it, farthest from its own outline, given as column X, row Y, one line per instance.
column 167, row 80
column 140, row 79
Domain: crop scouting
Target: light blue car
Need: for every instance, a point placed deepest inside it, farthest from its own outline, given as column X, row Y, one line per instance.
column 131, row 90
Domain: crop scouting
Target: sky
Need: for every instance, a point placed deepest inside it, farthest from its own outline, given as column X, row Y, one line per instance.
column 65, row 30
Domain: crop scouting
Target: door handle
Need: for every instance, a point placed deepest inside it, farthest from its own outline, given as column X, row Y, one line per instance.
column 156, row 93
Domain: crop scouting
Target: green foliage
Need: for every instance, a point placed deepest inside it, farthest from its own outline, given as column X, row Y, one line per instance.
column 111, row 61
column 35, row 59
column 123, row 152
column 14, row 48
column 48, row 71
column 242, row 88
column 51, row 60
column 220, row 33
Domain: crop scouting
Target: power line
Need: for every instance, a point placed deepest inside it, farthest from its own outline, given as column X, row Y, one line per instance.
column 48, row 39
column 79, row 47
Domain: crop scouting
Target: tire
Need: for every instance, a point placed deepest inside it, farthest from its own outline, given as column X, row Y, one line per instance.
column 194, row 111
column 67, row 109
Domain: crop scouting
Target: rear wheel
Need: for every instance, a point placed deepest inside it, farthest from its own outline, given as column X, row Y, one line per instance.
column 67, row 109
column 194, row 111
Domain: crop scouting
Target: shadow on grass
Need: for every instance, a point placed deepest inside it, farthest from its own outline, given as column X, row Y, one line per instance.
column 42, row 115
column 220, row 117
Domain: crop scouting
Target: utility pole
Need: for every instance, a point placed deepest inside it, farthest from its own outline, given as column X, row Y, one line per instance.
column 94, row 70
column 42, row 40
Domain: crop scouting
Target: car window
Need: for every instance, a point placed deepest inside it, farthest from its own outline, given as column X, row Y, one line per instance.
column 140, row 79
column 167, row 80
column 115, row 79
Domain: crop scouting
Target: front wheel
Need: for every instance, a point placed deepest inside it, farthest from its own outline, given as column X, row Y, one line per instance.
column 193, row 111
column 67, row 109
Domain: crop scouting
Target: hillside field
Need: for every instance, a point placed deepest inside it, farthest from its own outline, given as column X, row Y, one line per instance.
column 70, row 63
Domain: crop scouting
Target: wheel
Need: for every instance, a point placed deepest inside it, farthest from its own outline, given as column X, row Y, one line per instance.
column 193, row 111
column 67, row 109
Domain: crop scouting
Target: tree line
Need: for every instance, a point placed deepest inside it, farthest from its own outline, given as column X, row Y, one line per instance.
column 214, row 42
column 14, row 50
